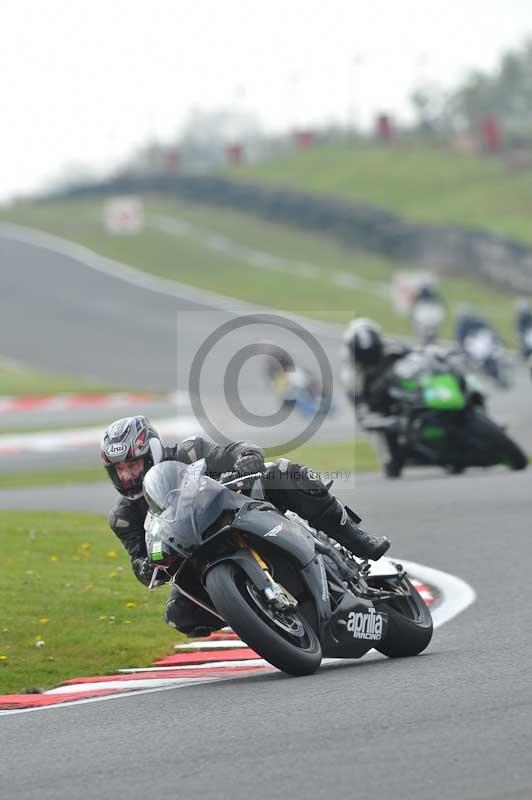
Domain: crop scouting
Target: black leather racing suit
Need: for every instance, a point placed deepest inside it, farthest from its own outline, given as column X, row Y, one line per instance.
column 368, row 389
column 287, row 485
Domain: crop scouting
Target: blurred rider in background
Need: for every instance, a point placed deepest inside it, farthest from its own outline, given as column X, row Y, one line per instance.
column 482, row 346
column 366, row 376
column 523, row 325
column 131, row 446
column 427, row 313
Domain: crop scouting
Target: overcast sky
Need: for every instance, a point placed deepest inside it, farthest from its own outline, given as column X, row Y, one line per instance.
column 87, row 80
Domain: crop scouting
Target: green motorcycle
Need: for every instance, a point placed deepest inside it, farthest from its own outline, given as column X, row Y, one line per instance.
column 440, row 418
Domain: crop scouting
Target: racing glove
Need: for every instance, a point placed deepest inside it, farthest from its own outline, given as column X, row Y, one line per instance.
column 249, row 462
column 143, row 569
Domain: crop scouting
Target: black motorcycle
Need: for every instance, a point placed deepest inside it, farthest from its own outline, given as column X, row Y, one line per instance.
column 290, row 593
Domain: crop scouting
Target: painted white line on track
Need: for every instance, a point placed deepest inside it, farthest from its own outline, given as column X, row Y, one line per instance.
column 152, row 283
column 145, row 683
column 222, row 644
column 241, row 662
column 455, row 596
column 222, row 244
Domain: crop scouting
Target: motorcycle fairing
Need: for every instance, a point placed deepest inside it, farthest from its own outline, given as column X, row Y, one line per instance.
column 352, row 630
column 281, row 532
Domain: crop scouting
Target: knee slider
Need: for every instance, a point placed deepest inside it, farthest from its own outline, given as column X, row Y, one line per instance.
column 307, row 481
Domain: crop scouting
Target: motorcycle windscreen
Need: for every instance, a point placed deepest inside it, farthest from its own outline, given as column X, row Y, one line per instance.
column 443, row 392
column 183, row 502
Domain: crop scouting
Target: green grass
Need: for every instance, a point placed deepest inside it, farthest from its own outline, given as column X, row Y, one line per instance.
column 16, row 379
column 65, row 476
column 67, row 581
column 190, row 261
column 421, row 183
column 324, row 456
column 330, row 457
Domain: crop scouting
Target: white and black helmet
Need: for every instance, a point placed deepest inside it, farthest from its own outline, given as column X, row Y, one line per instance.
column 364, row 340
column 130, row 441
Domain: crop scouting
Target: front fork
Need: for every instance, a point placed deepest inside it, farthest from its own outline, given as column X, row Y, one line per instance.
column 275, row 594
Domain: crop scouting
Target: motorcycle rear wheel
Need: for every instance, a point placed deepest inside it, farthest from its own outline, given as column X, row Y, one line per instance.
column 483, row 430
column 409, row 625
column 285, row 639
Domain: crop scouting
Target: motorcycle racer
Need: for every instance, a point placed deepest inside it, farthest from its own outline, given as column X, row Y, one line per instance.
column 366, row 374
column 130, row 446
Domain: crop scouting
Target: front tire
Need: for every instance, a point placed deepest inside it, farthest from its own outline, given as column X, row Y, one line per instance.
column 409, row 625
column 289, row 643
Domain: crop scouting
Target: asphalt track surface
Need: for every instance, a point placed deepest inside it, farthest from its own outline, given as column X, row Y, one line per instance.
column 63, row 316
column 60, row 315
column 453, row 723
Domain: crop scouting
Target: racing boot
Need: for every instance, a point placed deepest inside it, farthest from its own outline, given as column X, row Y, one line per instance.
column 394, row 466
column 339, row 522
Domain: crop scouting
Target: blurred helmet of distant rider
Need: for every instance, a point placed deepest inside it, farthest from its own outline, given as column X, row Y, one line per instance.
column 365, row 341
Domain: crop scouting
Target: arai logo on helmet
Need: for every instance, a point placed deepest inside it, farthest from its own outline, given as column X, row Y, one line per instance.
column 117, row 449
column 365, row 624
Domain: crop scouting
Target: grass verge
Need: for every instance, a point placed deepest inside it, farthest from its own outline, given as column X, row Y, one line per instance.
column 17, row 379
column 323, row 456
column 65, row 476
column 68, row 582
column 331, row 457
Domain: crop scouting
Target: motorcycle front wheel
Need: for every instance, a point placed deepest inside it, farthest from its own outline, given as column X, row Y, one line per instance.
column 285, row 639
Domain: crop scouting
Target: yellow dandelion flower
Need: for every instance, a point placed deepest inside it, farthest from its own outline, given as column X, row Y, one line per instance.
column 113, row 574
column 54, row 558
column 3, row 658
column 112, row 554
column 127, row 622
column 131, row 604
column 44, row 620
column 102, row 618
column 84, row 546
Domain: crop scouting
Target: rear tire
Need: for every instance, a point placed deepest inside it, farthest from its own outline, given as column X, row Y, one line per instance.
column 409, row 625
column 233, row 595
column 504, row 450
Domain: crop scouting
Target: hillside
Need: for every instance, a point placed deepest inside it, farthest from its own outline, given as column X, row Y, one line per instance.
column 426, row 185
